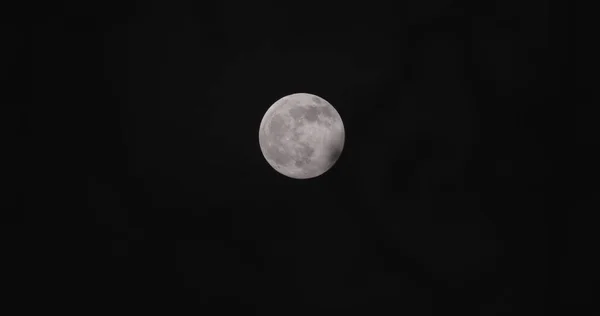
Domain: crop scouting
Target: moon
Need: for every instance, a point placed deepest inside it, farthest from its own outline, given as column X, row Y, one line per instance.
column 301, row 136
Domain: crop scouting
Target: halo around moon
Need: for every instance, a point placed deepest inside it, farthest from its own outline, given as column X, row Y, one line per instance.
column 301, row 136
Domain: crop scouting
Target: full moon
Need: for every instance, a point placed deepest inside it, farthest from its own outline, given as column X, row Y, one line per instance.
column 301, row 136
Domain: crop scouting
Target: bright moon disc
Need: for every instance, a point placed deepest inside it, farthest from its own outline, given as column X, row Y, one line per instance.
column 301, row 136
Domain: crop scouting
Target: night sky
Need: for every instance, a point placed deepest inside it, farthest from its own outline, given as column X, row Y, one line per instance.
column 451, row 195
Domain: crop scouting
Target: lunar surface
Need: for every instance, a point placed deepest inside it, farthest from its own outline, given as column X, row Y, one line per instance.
column 301, row 136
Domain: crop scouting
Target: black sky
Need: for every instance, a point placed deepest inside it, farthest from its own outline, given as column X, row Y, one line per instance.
column 450, row 196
